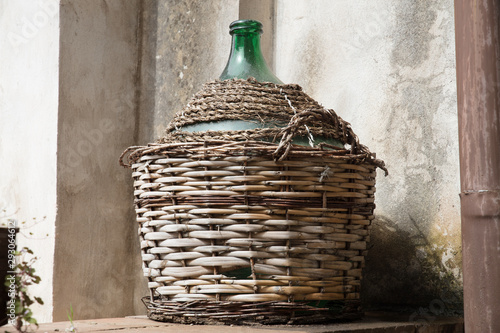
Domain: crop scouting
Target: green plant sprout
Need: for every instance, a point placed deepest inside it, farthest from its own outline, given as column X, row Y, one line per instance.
column 22, row 275
column 72, row 327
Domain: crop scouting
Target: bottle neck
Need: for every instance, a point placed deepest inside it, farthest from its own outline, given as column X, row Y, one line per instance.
column 246, row 59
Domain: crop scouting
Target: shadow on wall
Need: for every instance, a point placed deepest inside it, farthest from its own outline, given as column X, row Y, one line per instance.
column 404, row 273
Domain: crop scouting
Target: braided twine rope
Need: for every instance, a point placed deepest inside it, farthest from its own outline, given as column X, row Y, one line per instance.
column 287, row 105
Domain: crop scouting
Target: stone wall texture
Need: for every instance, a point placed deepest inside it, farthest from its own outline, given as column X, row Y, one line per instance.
column 190, row 47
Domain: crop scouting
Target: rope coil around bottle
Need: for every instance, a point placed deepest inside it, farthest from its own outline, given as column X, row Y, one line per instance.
column 254, row 101
column 286, row 108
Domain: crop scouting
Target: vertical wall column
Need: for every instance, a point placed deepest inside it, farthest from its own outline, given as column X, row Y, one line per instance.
column 97, row 268
column 478, row 81
column 264, row 12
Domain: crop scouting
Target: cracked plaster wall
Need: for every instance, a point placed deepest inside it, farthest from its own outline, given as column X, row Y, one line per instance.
column 186, row 43
column 388, row 67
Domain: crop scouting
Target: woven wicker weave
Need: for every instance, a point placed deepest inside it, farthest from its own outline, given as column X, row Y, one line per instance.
column 234, row 229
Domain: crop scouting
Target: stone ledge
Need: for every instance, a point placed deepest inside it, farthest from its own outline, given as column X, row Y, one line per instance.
column 375, row 322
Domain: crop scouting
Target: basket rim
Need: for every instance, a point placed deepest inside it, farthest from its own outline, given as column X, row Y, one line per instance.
column 244, row 313
column 210, row 148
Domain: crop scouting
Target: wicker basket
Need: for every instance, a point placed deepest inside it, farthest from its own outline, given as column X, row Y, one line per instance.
column 231, row 232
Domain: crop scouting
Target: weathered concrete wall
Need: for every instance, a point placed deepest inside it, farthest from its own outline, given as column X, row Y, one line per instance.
column 191, row 45
column 29, row 39
column 126, row 67
column 388, row 67
column 97, row 260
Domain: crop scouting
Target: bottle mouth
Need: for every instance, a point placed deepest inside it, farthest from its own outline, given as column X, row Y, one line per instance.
column 245, row 26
